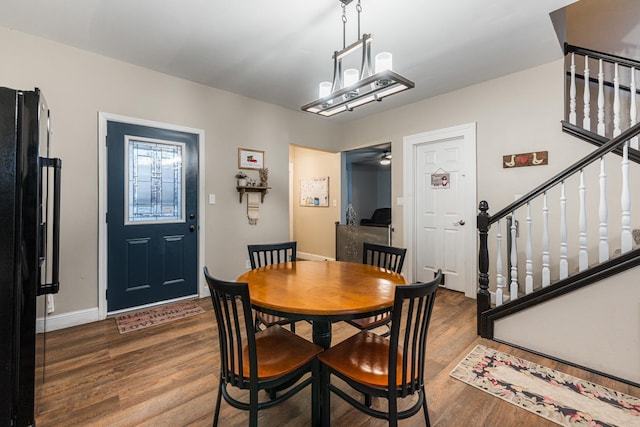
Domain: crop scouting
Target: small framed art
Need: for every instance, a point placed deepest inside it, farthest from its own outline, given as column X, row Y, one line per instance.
column 250, row 159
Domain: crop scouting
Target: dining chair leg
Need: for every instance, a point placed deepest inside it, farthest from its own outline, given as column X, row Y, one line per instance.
column 253, row 408
column 325, row 397
column 315, row 394
column 425, row 409
column 218, row 401
column 393, row 412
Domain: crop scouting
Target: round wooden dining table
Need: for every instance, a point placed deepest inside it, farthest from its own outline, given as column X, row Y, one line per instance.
column 322, row 292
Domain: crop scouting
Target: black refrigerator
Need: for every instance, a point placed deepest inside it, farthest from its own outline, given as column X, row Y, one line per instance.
column 29, row 244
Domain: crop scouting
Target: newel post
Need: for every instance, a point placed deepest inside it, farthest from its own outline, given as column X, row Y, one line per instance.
column 484, row 297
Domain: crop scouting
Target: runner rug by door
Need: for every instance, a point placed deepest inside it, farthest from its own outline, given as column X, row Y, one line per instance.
column 157, row 315
column 558, row 397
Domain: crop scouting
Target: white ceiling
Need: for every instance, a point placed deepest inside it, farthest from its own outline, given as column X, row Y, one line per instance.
column 278, row 51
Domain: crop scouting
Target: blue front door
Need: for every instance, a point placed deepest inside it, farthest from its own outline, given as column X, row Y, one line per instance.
column 152, row 208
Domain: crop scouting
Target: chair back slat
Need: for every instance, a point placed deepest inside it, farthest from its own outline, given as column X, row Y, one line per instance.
column 387, row 257
column 232, row 308
column 411, row 314
column 272, row 253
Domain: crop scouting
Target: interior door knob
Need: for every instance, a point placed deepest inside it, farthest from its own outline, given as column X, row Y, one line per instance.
column 461, row 222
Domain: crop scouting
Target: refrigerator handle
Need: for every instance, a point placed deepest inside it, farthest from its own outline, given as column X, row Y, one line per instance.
column 54, row 286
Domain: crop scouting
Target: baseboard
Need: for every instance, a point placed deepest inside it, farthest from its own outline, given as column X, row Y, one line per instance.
column 67, row 320
column 312, row 257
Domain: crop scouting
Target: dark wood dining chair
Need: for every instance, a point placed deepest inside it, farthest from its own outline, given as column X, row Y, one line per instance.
column 267, row 254
column 265, row 360
column 388, row 367
column 389, row 258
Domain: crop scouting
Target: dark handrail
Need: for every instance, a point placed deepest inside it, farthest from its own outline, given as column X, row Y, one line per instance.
column 600, row 55
column 580, row 164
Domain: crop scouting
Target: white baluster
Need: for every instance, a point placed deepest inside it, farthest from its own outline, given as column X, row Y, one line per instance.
column 546, row 271
column 528, row 281
column 633, row 109
column 616, row 102
column 603, row 212
column 499, row 276
column 601, row 128
column 625, row 199
column 572, row 92
column 564, row 249
column 586, row 119
column 513, row 288
column 583, row 255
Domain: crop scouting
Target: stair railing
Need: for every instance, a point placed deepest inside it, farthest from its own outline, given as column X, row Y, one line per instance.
column 602, row 93
column 557, row 256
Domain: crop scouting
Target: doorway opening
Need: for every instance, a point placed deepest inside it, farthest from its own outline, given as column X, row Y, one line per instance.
column 366, row 182
column 366, row 203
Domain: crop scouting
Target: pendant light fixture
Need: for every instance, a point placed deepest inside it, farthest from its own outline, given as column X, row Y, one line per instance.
column 354, row 88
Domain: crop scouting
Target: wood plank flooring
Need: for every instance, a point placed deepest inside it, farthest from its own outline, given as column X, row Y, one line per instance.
column 166, row 375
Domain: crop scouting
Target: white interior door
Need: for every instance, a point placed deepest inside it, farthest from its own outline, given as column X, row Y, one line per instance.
column 443, row 183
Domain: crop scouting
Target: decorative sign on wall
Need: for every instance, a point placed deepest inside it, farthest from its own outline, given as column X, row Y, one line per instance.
column 536, row 158
column 440, row 180
column 314, row 191
column 250, row 159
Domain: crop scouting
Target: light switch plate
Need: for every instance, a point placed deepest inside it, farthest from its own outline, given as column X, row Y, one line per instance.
column 212, row 199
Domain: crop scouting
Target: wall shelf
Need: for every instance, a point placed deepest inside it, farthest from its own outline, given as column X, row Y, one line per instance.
column 252, row 189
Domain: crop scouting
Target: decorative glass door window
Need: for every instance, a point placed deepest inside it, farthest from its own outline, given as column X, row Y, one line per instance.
column 155, row 181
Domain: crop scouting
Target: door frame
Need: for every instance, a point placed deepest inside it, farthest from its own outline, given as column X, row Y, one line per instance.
column 466, row 132
column 103, row 118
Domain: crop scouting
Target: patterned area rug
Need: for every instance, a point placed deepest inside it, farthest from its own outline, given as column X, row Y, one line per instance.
column 558, row 397
column 158, row 315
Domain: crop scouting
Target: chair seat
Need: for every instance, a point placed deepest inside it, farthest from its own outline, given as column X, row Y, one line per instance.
column 280, row 352
column 371, row 322
column 364, row 358
column 271, row 319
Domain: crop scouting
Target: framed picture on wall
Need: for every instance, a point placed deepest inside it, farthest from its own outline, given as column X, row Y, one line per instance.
column 314, row 191
column 250, row 159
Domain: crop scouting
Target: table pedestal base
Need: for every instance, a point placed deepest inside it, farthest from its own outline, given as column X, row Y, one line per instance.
column 322, row 333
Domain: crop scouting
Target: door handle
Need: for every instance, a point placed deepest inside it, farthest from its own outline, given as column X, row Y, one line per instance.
column 461, row 222
column 192, row 228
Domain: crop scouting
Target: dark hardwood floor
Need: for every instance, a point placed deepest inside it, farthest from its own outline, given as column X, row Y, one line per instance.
column 166, row 375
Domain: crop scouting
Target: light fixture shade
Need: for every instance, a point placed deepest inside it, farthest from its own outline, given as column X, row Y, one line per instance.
column 351, row 77
column 366, row 90
column 324, row 89
column 384, row 61
column 354, row 88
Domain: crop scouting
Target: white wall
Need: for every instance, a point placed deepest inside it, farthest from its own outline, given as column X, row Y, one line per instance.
column 78, row 85
column 597, row 326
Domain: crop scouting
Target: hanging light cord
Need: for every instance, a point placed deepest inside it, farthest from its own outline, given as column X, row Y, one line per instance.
column 344, row 25
column 359, row 9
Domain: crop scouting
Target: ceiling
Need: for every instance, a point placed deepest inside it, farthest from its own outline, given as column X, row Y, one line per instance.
column 369, row 156
column 278, row 51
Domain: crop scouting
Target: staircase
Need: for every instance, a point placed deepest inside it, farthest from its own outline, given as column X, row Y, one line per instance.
column 558, row 267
